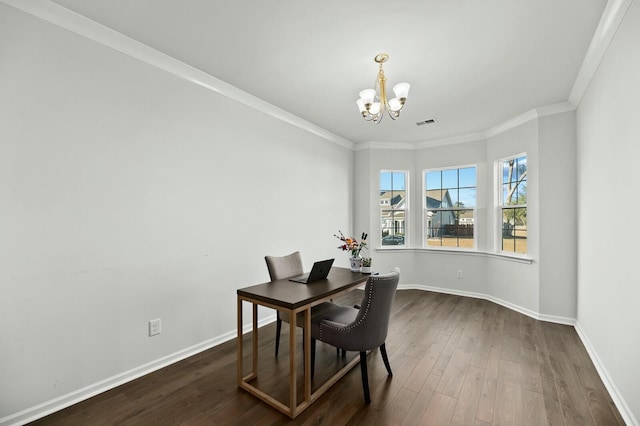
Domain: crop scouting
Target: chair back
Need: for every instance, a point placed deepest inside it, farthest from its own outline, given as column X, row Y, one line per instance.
column 372, row 320
column 284, row 266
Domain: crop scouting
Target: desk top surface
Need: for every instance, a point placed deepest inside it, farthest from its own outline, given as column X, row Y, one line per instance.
column 292, row 295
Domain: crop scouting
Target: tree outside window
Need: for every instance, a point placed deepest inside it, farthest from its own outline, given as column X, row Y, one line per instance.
column 513, row 204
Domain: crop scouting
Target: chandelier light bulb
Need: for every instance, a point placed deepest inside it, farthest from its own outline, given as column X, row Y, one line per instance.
column 361, row 106
column 395, row 104
column 367, row 96
column 401, row 90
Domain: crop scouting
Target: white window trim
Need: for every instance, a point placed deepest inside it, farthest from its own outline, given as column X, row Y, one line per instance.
column 407, row 209
column 424, row 211
column 497, row 232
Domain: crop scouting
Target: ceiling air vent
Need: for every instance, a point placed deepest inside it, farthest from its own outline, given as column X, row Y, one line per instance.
column 429, row 121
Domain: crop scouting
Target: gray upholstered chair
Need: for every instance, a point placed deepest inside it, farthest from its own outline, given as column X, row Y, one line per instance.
column 286, row 267
column 360, row 328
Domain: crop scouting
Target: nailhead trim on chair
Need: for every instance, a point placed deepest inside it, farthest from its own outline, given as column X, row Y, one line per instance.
column 366, row 311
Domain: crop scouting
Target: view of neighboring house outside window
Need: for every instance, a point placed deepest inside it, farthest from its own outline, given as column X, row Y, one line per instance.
column 512, row 174
column 393, row 207
column 449, row 207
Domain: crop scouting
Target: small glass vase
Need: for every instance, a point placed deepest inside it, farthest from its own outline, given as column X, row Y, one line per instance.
column 356, row 264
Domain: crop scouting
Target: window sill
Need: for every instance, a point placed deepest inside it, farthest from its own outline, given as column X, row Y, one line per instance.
column 502, row 256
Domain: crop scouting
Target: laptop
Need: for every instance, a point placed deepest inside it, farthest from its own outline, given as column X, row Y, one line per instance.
column 319, row 271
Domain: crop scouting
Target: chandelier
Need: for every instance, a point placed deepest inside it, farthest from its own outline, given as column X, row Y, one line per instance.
column 372, row 105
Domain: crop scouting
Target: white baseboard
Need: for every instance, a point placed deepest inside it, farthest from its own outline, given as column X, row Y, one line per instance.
column 506, row 304
column 64, row 401
column 618, row 400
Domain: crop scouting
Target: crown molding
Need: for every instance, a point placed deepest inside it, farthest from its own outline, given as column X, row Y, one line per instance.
column 85, row 27
column 554, row 109
column 612, row 17
column 512, row 123
column 470, row 137
column 383, row 145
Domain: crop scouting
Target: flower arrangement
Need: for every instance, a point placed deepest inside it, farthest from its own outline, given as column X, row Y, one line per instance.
column 351, row 244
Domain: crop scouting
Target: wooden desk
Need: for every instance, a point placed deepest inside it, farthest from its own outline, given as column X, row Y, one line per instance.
column 291, row 297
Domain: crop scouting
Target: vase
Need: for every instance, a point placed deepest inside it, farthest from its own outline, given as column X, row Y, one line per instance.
column 366, row 270
column 356, row 264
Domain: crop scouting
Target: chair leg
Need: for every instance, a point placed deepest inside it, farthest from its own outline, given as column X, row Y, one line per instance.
column 278, row 328
column 365, row 378
column 383, row 352
column 313, row 356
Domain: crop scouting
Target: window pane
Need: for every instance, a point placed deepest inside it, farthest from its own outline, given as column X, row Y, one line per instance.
column 446, row 199
column 468, row 177
column 514, row 194
column 386, row 182
column 392, row 207
column 514, row 178
column 392, row 225
column 397, row 199
column 398, row 180
column 505, row 195
column 433, row 198
column 453, row 196
column 450, row 228
column 450, row 178
column 433, row 180
column 467, row 197
column 433, row 227
column 521, row 168
column 522, row 192
column 514, row 230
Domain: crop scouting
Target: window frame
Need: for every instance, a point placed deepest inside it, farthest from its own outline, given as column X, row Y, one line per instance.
column 406, row 209
column 500, row 206
column 425, row 209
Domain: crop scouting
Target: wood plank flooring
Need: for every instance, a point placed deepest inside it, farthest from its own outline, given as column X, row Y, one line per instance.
column 456, row 361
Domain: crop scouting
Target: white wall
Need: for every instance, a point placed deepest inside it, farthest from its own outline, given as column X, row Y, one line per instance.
column 558, row 215
column 608, row 132
column 128, row 194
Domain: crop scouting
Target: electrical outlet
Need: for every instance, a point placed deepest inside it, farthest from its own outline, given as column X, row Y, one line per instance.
column 155, row 327
column 459, row 274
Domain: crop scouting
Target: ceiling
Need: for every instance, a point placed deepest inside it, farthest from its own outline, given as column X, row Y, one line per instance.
column 471, row 64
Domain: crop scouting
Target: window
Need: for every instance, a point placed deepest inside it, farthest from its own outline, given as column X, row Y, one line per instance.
column 393, row 207
column 513, row 204
column 449, row 207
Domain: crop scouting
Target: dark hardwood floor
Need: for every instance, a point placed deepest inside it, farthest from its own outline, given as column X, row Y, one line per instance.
column 456, row 361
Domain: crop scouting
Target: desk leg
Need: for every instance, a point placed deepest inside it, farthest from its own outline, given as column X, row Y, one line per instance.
column 240, row 346
column 239, row 342
column 255, row 340
column 307, row 355
column 292, row 364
